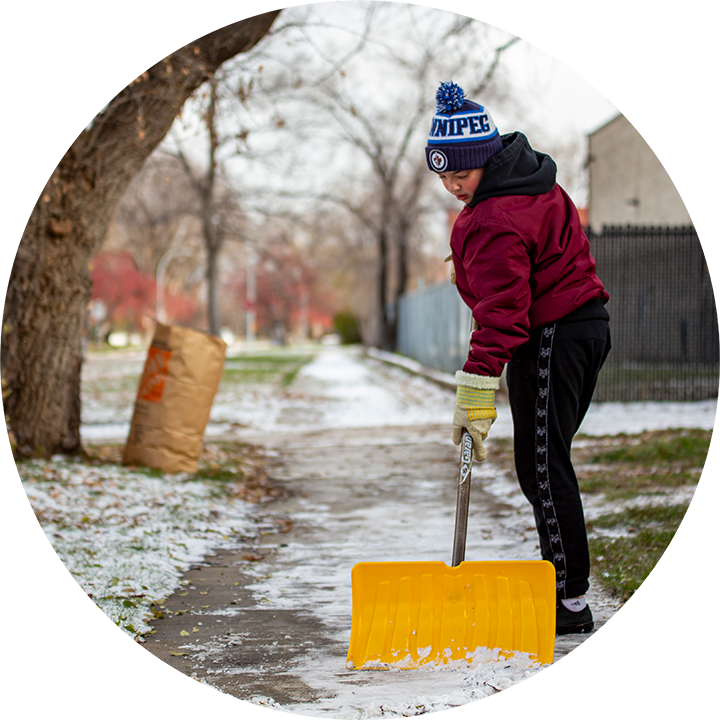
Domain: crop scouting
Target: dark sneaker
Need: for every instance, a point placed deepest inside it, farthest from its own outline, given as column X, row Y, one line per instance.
column 568, row 621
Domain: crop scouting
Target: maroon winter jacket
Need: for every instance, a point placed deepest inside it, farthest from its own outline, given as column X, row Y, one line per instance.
column 521, row 257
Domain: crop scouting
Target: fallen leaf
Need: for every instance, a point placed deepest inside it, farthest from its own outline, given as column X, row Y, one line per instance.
column 184, row 633
column 176, row 654
column 284, row 525
column 252, row 557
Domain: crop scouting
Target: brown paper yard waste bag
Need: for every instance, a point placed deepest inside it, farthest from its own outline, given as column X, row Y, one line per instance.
column 177, row 388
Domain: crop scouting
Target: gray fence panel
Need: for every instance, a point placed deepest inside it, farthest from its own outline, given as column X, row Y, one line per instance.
column 434, row 327
column 663, row 322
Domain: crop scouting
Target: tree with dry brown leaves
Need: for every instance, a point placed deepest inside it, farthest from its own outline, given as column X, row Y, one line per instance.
column 49, row 287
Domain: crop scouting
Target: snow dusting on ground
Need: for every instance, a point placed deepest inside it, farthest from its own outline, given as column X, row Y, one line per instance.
column 512, row 690
column 127, row 537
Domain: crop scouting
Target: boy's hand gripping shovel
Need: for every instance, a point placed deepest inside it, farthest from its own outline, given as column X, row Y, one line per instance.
column 406, row 614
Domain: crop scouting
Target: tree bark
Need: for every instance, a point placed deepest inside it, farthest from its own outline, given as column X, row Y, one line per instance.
column 49, row 286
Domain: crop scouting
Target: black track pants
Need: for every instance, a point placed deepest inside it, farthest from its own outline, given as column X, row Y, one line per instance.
column 551, row 379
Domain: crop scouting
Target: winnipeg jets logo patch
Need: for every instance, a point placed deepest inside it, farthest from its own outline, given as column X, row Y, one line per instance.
column 438, row 160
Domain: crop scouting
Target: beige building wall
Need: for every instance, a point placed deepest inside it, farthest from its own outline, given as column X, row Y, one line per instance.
column 628, row 184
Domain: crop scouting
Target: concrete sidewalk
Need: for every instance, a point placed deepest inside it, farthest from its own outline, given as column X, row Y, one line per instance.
column 220, row 628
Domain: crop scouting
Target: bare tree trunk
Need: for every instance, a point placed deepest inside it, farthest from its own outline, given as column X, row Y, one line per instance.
column 45, row 291
column 49, row 286
column 211, row 233
column 211, row 273
column 402, row 278
column 382, row 275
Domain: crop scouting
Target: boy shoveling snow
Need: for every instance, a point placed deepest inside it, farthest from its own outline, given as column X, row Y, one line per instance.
column 522, row 263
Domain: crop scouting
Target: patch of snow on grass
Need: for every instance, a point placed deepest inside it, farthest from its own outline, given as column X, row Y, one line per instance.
column 126, row 536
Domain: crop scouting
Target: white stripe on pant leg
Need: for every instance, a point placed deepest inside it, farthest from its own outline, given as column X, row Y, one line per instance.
column 542, row 465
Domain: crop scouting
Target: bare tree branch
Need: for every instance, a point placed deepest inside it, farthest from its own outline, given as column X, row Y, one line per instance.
column 176, row 57
column 683, row 94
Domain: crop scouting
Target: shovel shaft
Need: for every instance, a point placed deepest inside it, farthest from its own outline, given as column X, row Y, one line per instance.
column 463, row 499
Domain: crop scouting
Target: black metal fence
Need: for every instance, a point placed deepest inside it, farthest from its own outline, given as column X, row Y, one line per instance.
column 664, row 321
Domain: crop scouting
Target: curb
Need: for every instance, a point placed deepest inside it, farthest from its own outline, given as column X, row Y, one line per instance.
column 443, row 379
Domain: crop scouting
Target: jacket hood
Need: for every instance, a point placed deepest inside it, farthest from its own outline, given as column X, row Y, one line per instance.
column 516, row 170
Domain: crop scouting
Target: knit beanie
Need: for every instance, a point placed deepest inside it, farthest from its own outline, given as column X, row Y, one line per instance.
column 463, row 136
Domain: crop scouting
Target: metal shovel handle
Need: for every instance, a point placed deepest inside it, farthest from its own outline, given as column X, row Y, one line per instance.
column 463, row 498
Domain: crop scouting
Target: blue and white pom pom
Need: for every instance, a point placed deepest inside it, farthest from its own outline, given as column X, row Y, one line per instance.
column 449, row 97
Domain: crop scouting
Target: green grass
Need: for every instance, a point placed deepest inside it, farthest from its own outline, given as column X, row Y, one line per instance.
column 686, row 447
column 267, row 368
column 625, row 466
column 668, row 564
column 626, row 544
column 272, row 359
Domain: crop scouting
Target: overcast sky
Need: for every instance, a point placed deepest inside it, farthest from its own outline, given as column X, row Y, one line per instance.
column 574, row 85
column 565, row 80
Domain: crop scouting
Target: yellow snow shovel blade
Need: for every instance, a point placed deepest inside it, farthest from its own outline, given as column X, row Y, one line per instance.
column 406, row 614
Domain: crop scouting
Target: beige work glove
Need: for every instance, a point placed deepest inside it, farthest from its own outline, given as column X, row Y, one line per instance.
column 474, row 409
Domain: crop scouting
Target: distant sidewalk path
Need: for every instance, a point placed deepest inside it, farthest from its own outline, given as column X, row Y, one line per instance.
column 372, row 477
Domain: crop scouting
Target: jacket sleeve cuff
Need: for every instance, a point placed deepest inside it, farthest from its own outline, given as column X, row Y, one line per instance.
column 481, row 382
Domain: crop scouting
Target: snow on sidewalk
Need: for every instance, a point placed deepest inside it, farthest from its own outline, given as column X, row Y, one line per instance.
column 86, row 550
column 342, row 388
column 311, row 574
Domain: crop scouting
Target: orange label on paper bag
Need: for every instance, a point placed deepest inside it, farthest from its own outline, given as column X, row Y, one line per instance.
column 152, row 382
